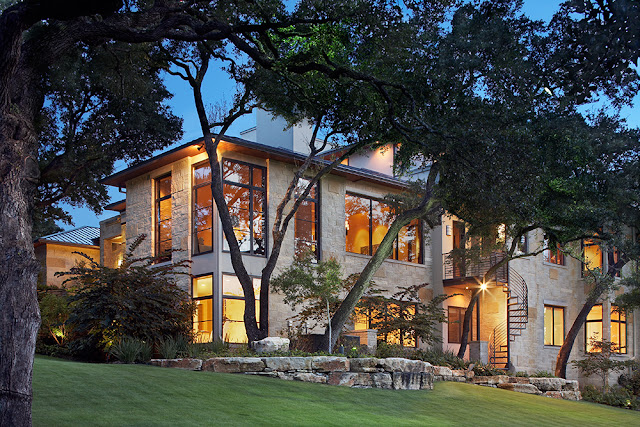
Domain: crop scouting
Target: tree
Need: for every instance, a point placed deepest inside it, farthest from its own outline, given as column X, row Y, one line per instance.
column 309, row 281
column 599, row 362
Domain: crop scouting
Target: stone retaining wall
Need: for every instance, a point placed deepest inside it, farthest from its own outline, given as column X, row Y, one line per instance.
column 391, row 373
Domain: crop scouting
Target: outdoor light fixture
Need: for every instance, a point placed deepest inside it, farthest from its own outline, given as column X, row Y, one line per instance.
column 483, row 286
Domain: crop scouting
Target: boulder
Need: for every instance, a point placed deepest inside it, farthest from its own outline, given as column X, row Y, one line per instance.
column 232, row 365
column 554, row 394
column 310, row 377
column 287, row 363
column 398, row 364
column 351, row 379
column 271, row 344
column 547, row 384
column 329, row 363
column 520, row 388
column 427, row 381
column 571, row 395
column 442, row 371
column 490, row 380
column 382, row 380
column 186, row 363
column 519, row 380
column 364, row 364
column 407, row 380
column 570, row 385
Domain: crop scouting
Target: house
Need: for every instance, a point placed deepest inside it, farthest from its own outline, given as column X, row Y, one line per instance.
column 520, row 320
column 57, row 252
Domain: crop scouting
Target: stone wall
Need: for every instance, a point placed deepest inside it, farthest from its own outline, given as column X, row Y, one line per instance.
column 391, row 373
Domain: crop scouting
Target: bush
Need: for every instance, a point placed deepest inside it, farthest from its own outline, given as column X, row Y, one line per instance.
column 128, row 349
column 631, row 381
column 614, row 396
column 481, row 369
column 522, row 374
column 139, row 299
column 439, row 357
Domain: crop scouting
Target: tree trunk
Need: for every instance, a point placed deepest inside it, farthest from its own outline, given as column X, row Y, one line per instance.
column 19, row 314
column 466, row 324
column 341, row 316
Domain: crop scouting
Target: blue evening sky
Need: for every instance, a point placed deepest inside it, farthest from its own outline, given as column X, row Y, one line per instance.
column 218, row 88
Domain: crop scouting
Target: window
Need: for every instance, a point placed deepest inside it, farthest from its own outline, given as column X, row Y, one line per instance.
column 618, row 330
column 387, row 317
column 163, row 218
column 245, row 194
column 554, row 256
column 553, row 325
column 307, row 220
column 233, row 329
column 202, row 294
column 593, row 327
column 202, row 209
column 455, row 319
column 523, row 244
column 592, row 256
column 367, row 222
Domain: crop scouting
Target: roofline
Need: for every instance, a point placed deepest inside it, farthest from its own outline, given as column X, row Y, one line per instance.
column 355, row 174
column 41, row 242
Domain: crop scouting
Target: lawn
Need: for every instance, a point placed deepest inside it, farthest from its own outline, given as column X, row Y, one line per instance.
column 70, row 393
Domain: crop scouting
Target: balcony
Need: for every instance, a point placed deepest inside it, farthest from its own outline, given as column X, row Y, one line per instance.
column 471, row 272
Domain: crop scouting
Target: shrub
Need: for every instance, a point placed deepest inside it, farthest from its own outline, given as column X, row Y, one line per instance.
column 599, row 362
column 168, row 347
column 481, row 369
column 439, row 357
column 127, row 349
column 631, row 381
column 139, row 299
column 522, row 374
column 614, row 396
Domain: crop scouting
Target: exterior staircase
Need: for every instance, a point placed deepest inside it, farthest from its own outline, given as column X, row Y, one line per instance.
column 517, row 318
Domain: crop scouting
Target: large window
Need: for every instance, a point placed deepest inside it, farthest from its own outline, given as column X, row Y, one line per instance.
column 307, row 220
column 388, row 318
column 593, row 327
column 245, row 194
column 367, row 222
column 553, row 325
column 163, row 218
column 233, row 329
column 618, row 330
column 592, row 256
column 613, row 256
column 202, row 294
column 455, row 321
column 202, row 209
column 554, row 256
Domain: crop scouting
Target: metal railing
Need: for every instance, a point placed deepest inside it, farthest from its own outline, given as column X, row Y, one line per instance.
column 460, row 268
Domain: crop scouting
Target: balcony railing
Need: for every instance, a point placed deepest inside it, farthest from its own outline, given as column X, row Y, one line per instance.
column 458, row 269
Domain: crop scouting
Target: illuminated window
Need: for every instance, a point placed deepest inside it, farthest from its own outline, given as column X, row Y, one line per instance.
column 455, row 319
column 387, row 317
column 233, row 329
column 592, row 256
column 554, row 256
column 163, row 218
column 367, row 222
column 202, row 294
column 307, row 220
column 618, row 330
column 202, row 209
column 553, row 325
column 593, row 327
column 245, row 194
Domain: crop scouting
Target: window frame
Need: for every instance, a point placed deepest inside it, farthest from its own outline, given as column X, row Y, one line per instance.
column 461, row 313
column 237, row 298
column 587, row 321
column 583, row 246
column 396, row 247
column 316, row 201
column 194, row 229
column 194, row 278
column 157, row 201
column 553, row 325
column 618, row 323
column 553, row 259
column 251, row 189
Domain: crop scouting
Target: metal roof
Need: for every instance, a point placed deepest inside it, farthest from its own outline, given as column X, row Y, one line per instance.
column 86, row 236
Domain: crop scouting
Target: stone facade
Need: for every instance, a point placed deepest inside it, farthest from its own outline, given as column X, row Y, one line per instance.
column 54, row 257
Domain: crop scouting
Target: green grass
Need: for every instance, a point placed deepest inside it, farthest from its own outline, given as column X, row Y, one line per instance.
column 71, row 393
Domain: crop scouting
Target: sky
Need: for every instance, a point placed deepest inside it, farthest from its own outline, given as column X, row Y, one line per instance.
column 218, row 87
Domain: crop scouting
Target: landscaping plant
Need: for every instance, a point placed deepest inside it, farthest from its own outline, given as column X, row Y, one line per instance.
column 599, row 362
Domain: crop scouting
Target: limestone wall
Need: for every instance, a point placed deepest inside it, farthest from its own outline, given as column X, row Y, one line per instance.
column 62, row 258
